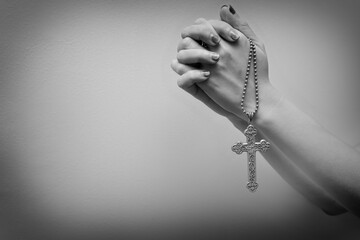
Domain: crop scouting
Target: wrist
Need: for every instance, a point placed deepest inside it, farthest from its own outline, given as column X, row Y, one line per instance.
column 237, row 122
column 270, row 100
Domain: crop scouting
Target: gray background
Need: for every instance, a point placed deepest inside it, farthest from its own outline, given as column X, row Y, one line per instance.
column 98, row 141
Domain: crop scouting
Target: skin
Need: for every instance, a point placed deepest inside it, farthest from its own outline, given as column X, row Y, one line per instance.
column 313, row 161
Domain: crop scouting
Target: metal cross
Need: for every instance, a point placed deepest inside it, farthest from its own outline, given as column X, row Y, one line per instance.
column 251, row 147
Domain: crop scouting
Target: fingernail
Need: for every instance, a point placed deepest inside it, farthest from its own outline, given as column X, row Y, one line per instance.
column 234, row 35
column 215, row 56
column 214, row 38
column 206, row 74
column 224, row 6
column 231, row 9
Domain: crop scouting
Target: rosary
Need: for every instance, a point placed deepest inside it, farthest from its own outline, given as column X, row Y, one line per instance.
column 251, row 146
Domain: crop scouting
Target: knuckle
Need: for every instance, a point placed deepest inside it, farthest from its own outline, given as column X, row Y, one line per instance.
column 182, row 69
column 180, row 46
column 215, row 23
column 174, row 65
column 184, row 32
column 180, row 83
column 228, row 29
column 186, row 42
column 180, row 55
column 200, row 20
column 225, row 53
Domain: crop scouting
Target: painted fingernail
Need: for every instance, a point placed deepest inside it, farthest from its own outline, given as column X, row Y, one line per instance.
column 234, row 35
column 206, row 74
column 231, row 9
column 215, row 56
column 214, row 38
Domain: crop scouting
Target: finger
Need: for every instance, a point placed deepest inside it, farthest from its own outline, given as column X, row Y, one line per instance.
column 191, row 56
column 189, row 78
column 188, row 43
column 229, row 15
column 180, row 68
column 225, row 30
column 202, row 32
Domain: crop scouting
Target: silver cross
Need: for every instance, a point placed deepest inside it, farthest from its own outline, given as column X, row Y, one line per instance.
column 251, row 147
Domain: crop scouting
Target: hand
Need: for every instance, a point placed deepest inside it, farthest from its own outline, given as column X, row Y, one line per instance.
column 225, row 84
column 190, row 69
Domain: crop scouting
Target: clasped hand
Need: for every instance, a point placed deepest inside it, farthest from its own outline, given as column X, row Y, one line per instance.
column 214, row 72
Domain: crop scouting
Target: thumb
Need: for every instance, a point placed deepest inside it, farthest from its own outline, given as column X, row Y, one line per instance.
column 229, row 15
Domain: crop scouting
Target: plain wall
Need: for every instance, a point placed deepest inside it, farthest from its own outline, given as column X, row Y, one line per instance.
column 97, row 140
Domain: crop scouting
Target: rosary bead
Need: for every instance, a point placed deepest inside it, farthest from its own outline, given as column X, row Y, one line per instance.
column 251, row 58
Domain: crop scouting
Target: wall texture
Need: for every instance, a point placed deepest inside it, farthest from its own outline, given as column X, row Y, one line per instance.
column 98, row 141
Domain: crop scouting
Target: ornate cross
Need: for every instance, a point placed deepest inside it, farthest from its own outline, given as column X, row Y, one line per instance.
column 251, row 147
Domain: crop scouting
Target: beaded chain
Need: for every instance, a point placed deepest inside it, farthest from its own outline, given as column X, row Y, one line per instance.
column 252, row 58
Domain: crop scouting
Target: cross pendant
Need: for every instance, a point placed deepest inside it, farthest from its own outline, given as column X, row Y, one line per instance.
column 251, row 146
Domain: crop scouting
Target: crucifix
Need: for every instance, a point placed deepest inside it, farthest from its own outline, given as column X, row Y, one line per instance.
column 251, row 146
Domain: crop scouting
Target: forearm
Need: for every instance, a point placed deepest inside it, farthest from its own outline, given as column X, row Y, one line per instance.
column 301, row 182
column 294, row 176
column 305, row 143
column 333, row 165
